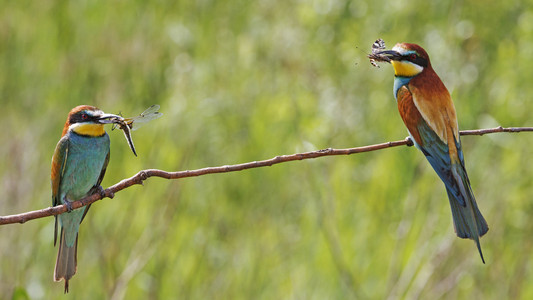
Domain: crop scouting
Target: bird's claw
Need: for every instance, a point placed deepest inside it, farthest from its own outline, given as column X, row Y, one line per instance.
column 409, row 141
column 100, row 190
column 69, row 206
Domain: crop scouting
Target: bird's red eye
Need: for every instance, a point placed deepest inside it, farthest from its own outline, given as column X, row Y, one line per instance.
column 412, row 56
column 84, row 116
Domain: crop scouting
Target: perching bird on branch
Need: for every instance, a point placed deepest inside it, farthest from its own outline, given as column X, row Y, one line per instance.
column 78, row 167
column 428, row 112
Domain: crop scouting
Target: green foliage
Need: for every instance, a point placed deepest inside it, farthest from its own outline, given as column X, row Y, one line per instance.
column 239, row 81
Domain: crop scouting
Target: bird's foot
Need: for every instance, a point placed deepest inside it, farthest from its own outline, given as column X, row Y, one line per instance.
column 69, row 206
column 409, row 141
column 100, row 190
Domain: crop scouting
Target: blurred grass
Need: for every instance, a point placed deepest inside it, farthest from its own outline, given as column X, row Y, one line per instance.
column 247, row 80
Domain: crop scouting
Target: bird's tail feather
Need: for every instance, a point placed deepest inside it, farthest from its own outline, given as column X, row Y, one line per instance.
column 467, row 220
column 66, row 263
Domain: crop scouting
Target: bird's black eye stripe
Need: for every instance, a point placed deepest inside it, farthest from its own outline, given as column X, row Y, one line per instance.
column 82, row 116
column 419, row 60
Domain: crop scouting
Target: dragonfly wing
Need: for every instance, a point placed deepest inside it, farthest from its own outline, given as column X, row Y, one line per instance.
column 148, row 115
column 136, row 122
column 152, row 109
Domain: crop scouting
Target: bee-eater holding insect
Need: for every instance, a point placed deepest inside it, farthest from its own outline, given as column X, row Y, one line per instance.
column 78, row 167
column 428, row 112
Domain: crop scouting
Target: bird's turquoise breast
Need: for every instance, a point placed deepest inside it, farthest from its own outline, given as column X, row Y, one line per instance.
column 85, row 159
column 400, row 81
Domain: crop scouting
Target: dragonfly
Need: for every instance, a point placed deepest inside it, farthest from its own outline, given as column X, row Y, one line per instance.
column 127, row 125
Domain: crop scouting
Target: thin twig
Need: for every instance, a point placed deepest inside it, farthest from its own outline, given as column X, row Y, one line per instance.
column 495, row 130
column 145, row 174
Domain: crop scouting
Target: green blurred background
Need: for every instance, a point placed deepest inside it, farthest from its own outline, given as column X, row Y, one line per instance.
column 240, row 81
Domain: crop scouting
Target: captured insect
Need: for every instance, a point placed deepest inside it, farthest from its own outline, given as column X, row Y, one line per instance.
column 377, row 46
column 127, row 125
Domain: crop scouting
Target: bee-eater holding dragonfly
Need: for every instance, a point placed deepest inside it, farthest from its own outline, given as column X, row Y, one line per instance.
column 78, row 167
column 428, row 112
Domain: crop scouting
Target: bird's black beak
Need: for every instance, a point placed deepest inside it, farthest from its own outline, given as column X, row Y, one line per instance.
column 390, row 54
column 385, row 56
column 109, row 118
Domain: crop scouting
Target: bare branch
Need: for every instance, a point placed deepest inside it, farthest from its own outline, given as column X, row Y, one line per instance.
column 145, row 174
column 495, row 130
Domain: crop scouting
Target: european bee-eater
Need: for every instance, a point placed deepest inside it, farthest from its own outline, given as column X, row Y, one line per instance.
column 78, row 167
column 428, row 112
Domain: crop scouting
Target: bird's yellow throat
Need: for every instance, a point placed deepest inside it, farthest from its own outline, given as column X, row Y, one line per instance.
column 406, row 69
column 88, row 129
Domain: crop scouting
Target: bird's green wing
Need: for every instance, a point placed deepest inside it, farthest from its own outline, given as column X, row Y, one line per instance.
column 95, row 187
column 58, row 168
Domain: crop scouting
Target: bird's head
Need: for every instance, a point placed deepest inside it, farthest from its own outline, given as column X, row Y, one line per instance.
column 408, row 60
column 88, row 120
